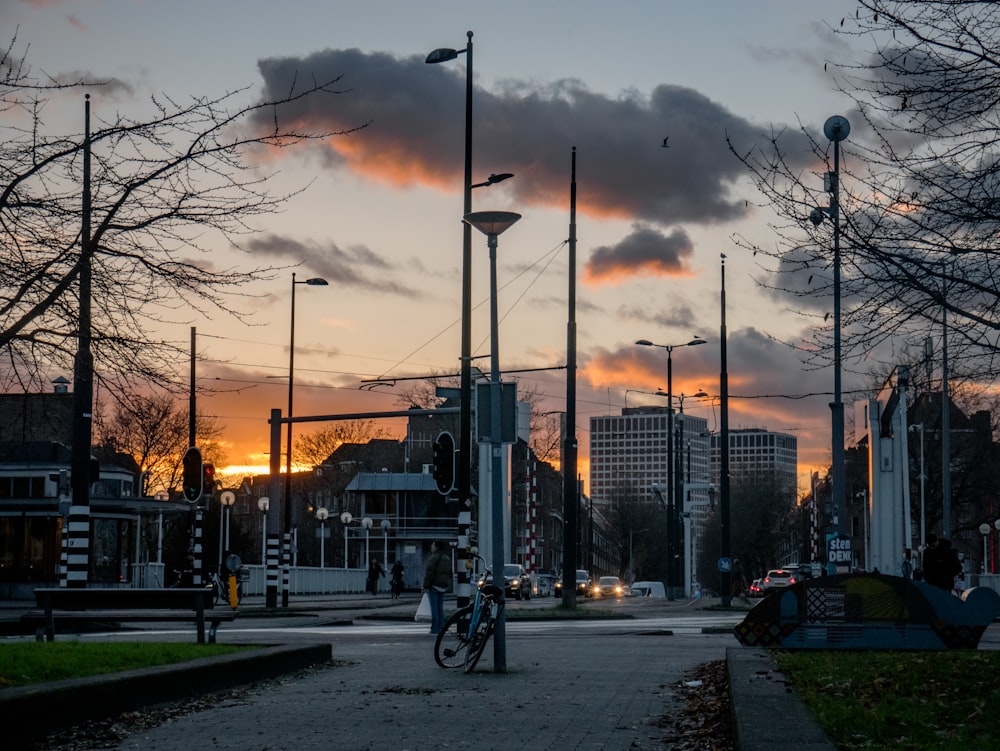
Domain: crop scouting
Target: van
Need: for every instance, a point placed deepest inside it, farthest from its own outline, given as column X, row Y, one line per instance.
column 648, row 589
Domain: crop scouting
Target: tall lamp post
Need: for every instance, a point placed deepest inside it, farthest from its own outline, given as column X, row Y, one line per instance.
column 984, row 530
column 836, row 129
column 493, row 224
column 923, row 477
column 367, row 524
column 463, row 475
column 314, row 282
column 673, row 538
column 226, row 500
column 386, row 526
column 346, row 519
column 263, row 503
column 322, row 514
column 463, row 482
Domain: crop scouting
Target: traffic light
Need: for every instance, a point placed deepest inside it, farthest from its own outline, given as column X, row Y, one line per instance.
column 208, row 481
column 444, row 462
column 193, row 475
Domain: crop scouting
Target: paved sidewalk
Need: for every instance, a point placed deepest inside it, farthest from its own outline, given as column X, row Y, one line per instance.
column 587, row 688
column 560, row 692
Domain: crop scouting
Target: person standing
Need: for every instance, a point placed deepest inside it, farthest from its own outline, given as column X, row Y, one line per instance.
column 941, row 564
column 906, row 567
column 375, row 571
column 437, row 577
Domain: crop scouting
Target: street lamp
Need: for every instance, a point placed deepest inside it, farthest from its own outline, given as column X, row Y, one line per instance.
column 263, row 503
column 463, row 480
column 836, row 129
column 314, row 282
column 322, row 514
column 923, row 477
column 386, row 526
column 672, row 519
column 346, row 519
column 493, row 224
column 226, row 499
column 984, row 530
column 367, row 524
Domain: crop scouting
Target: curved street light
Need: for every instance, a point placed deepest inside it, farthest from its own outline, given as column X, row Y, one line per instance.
column 493, row 224
column 286, row 554
column 673, row 537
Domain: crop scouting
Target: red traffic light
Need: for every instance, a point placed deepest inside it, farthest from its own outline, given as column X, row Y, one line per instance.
column 208, row 479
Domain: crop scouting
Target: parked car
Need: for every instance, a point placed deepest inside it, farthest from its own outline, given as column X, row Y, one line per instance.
column 778, row 579
column 608, row 586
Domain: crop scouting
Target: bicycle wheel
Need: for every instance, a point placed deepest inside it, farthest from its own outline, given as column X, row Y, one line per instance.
column 453, row 640
column 481, row 632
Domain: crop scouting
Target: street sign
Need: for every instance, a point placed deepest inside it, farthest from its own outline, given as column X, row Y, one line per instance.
column 508, row 412
column 725, row 565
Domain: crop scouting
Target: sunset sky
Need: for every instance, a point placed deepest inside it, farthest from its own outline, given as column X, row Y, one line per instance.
column 380, row 213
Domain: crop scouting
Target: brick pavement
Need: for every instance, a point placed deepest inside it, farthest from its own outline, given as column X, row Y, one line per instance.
column 561, row 691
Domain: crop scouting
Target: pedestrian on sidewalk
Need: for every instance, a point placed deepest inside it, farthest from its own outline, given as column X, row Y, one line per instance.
column 396, row 583
column 375, row 571
column 941, row 564
column 437, row 577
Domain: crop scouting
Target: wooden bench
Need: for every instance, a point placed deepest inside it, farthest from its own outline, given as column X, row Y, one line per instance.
column 123, row 605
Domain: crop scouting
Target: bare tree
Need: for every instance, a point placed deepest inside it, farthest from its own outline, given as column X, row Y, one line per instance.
column 919, row 189
column 316, row 447
column 166, row 189
column 153, row 430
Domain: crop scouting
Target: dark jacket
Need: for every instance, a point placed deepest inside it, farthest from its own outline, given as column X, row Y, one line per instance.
column 437, row 571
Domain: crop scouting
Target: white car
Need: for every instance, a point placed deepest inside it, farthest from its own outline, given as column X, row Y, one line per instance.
column 778, row 579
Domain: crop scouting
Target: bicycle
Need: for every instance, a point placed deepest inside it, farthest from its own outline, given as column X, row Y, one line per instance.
column 229, row 589
column 463, row 638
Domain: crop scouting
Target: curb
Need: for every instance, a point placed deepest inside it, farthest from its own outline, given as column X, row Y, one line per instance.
column 31, row 712
column 757, row 690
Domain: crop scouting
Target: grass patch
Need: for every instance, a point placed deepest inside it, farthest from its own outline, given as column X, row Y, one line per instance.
column 557, row 612
column 900, row 701
column 24, row 663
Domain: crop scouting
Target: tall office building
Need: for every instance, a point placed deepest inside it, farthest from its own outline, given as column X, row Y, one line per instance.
column 628, row 454
column 756, row 454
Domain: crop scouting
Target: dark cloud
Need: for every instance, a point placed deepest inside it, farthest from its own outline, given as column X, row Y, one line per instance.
column 416, row 135
column 645, row 250
column 356, row 266
column 768, row 387
column 680, row 316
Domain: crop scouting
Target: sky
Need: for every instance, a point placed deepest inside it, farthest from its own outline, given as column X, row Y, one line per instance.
column 379, row 212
